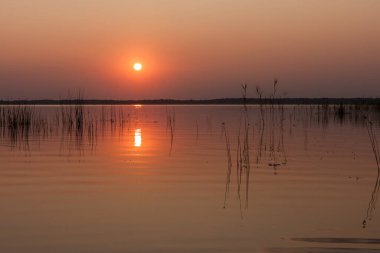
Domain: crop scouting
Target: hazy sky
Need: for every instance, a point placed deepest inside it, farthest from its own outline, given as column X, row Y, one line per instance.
column 189, row 49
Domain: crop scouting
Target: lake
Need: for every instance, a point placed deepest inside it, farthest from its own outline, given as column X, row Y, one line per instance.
column 148, row 178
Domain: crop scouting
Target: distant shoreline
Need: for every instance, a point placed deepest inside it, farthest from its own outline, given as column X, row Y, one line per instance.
column 220, row 101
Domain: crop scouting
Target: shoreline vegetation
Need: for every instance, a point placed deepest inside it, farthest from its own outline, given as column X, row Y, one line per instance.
column 219, row 101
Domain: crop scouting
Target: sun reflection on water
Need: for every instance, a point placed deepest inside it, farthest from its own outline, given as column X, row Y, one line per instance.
column 138, row 138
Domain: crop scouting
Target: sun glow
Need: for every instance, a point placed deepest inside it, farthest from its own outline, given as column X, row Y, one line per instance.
column 137, row 66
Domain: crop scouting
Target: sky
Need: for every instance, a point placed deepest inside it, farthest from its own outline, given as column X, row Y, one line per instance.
column 198, row 49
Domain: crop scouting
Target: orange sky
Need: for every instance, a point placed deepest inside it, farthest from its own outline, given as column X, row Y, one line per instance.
column 189, row 49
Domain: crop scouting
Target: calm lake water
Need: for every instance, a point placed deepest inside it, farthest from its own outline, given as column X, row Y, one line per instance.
column 189, row 179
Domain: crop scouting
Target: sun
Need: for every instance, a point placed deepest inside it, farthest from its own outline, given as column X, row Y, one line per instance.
column 137, row 66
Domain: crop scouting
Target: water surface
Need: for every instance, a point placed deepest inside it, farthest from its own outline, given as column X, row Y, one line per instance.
column 190, row 179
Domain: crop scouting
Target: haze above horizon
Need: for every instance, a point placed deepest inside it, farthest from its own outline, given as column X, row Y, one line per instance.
column 188, row 49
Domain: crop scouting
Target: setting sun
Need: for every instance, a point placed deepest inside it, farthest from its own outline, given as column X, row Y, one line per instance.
column 137, row 66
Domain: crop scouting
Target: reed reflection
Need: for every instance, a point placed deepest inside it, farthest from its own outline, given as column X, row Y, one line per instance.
column 375, row 192
column 170, row 125
column 138, row 138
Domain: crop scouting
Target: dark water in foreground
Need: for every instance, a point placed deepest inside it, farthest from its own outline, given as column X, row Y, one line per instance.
column 190, row 179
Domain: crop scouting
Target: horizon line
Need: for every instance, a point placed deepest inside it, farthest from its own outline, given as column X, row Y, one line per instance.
column 221, row 101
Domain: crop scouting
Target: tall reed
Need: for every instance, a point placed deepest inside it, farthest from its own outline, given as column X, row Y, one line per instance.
column 229, row 163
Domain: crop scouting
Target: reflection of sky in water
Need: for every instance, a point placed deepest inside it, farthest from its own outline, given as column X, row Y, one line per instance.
column 138, row 139
column 115, row 185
